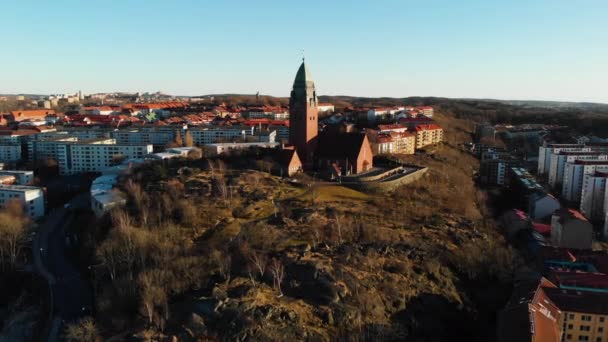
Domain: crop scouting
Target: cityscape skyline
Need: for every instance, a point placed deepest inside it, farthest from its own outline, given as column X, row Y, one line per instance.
column 515, row 51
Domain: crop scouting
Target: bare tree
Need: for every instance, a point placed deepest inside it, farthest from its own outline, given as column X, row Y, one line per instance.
column 259, row 261
column 188, row 140
column 13, row 233
column 223, row 263
column 84, row 330
column 278, row 273
column 154, row 302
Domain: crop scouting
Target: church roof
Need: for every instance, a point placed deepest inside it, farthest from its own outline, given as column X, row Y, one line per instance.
column 341, row 145
column 303, row 76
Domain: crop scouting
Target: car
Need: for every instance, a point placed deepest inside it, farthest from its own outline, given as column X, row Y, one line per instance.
column 67, row 205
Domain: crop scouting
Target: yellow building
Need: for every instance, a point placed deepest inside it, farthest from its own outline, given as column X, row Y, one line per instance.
column 584, row 314
column 428, row 135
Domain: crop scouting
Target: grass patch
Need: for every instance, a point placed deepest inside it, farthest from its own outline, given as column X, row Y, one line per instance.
column 333, row 193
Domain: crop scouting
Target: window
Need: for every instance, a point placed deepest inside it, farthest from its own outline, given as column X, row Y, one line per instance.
column 599, row 339
column 568, row 337
column 585, row 327
column 583, row 338
column 602, row 319
column 600, row 329
column 570, row 326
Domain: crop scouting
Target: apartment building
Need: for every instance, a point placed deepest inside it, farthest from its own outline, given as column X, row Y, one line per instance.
column 574, row 173
column 570, row 229
column 21, row 177
column 74, row 156
column 545, row 152
column 30, row 197
column 227, row 148
column 593, row 195
column 211, row 135
column 10, row 153
column 428, row 135
column 393, row 143
column 559, row 160
column 584, row 314
column 157, row 136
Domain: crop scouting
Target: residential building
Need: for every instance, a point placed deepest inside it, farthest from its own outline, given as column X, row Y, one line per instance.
column 21, row 177
column 428, row 135
column 484, row 131
column 584, row 314
column 574, row 173
column 74, row 156
column 570, row 229
column 376, row 114
column 227, row 148
column 30, row 197
column 529, row 316
column 559, row 160
column 10, row 153
column 392, row 142
column 495, row 171
column 325, row 107
column 593, row 195
column 211, row 135
column 157, row 136
column 545, row 152
column 427, row 111
column 36, row 114
column 534, row 199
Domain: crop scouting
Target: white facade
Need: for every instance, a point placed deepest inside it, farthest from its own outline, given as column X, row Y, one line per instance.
column 154, row 136
column 376, row 113
column 545, row 152
column 223, row 148
column 593, row 196
column 204, row 136
column 325, row 107
column 559, row 160
column 73, row 156
column 22, row 177
column 95, row 157
column 10, row 153
column 574, row 172
column 32, row 198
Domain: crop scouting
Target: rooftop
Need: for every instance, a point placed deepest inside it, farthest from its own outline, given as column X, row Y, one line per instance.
column 578, row 301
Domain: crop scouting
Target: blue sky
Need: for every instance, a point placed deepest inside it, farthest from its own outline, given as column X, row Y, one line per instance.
column 508, row 49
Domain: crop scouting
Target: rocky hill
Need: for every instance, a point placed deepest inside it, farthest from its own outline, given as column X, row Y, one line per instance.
column 208, row 251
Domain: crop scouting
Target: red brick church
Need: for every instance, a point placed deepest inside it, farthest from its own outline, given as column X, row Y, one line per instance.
column 335, row 153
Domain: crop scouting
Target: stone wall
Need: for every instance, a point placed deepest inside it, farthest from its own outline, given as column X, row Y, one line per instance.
column 387, row 185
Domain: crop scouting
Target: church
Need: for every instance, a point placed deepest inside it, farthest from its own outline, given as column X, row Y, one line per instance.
column 330, row 153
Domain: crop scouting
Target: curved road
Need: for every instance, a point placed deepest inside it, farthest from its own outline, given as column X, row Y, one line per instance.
column 71, row 295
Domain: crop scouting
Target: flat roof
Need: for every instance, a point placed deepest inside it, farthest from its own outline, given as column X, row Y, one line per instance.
column 20, row 188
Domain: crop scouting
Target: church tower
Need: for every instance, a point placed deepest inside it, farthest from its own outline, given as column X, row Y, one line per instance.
column 303, row 116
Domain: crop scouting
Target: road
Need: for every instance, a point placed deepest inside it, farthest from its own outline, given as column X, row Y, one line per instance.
column 70, row 292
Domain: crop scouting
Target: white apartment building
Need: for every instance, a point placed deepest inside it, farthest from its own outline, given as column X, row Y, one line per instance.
column 74, row 156
column 94, row 157
column 593, row 195
column 32, row 198
column 211, row 135
column 156, row 136
column 10, row 153
column 559, row 160
column 545, row 152
column 227, row 148
column 325, row 107
column 574, row 172
column 23, row 177
column 377, row 113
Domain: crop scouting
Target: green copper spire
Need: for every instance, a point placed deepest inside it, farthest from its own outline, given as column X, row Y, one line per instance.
column 303, row 76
